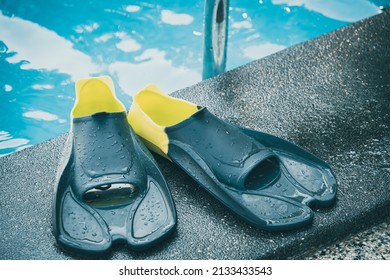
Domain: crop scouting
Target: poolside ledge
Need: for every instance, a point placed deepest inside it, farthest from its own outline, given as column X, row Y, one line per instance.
column 330, row 95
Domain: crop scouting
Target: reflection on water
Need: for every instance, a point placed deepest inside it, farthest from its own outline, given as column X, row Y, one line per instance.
column 7, row 142
column 153, row 66
column 172, row 18
column 342, row 10
column 36, row 47
column 46, row 45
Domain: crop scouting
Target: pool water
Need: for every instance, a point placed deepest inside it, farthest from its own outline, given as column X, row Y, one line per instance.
column 45, row 46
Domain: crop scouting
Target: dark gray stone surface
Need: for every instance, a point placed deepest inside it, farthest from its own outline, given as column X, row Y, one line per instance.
column 329, row 95
column 370, row 244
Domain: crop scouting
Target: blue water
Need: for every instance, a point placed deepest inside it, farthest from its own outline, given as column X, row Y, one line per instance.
column 45, row 46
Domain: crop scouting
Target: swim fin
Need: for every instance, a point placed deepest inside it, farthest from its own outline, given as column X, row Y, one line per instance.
column 109, row 188
column 267, row 181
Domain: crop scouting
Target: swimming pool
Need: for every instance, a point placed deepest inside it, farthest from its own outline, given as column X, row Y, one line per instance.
column 46, row 45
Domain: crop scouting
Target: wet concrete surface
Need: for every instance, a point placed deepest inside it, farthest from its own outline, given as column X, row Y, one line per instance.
column 370, row 244
column 329, row 95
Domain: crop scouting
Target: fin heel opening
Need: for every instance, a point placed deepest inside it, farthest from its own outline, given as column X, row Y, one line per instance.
column 110, row 195
column 263, row 174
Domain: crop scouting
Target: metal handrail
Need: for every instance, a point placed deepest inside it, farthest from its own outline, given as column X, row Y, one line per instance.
column 215, row 37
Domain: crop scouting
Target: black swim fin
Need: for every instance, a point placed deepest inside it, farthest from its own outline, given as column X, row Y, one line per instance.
column 267, row 181
column 109, row 188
